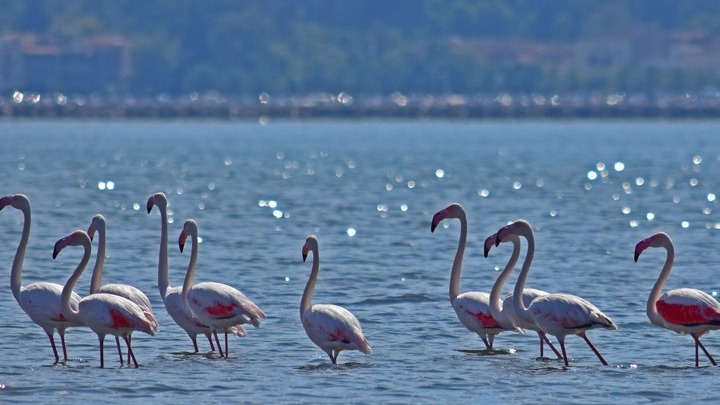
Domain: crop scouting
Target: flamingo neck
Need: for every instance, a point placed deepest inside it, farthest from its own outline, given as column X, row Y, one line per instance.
column 518, row 304
column 99, row 262
column 457, row 262
column 190, row 275
column 16, row 272
column 652, row 311
column 306, row 301
column 163, row 278
column 495, row 302
column 65, row 308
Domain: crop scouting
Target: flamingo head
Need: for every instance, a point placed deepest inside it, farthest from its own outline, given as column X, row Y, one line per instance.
column 660, row 239
column 517, row 228
column 76, row 238
column 453, row 210
column 158, row 199
column 97, row 225
column 189, row 229
column 16, row 201
column 489, row 243
column 311, row 245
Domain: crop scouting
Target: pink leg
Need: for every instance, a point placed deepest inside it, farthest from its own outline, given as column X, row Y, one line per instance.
column 227, row 351
column 597, row 353
column 488, row 345
column 101, row 338
column 698, row 343
column 129, row 339
column 212, row 345
column 61, row 332
column 117, row 342
column 562, row 347
column 543, row 338
column 52, row 343
column 218, row 344
column 131, row 355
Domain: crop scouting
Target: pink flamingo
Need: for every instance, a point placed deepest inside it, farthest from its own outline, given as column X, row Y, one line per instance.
column 683, row 310
column 102, row 313
column 557, row 314
column 122, row 290
column 331, row 327
column 506, row 310
column 41, row 300
column 472, row 307
column 175, row 305
column 217, row 305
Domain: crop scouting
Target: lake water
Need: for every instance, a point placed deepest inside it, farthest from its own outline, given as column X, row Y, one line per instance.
column 368, row 190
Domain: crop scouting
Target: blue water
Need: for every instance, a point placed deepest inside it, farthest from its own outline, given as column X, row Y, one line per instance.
column 592, row 190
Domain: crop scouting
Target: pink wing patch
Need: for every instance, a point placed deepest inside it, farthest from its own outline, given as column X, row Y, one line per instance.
column 487, row 321
column 221, row 311
column 119, row 320
column 687, row 314
column 338, row 336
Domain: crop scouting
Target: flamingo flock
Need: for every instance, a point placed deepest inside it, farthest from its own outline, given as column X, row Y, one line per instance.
column 208, row 308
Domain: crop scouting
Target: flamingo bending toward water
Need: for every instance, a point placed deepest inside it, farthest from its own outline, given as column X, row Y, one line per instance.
column 123, row 290
column 41, row 300
column 472, row 307
column 506, row 310
column 175, row 305
column 557, row 314
column 683, row 310
column 103, row 313
column 331, row 327
column 217, row 305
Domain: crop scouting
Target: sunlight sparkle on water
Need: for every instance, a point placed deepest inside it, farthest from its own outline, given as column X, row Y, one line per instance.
column 650, row 216
column 483, row 193
column 619, row 166
column 136, row 206
column 351, row 232
column 106, row 185
column 697, row 160
column 626, row 210
column 439, row 173
column 685, row 224
column 711, row 197
column 517, row 185
column 403, row 207
column 634, row 223
column 592, row 175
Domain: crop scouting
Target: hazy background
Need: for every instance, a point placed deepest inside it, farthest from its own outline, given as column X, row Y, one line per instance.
column 359, row 47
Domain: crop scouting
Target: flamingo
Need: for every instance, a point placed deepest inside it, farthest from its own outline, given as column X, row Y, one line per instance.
column 40, row 300
column 331, row 327
column 557, row 314
column 472, row 307
column 172, row 297
column 506, row 310
column 102, row 313
column 217, row 305
column 122, row 290
column 683, row 310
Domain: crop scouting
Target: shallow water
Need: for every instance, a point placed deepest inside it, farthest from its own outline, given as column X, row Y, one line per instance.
column 592, row 190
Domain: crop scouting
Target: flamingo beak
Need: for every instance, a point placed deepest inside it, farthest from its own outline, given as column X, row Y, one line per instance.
column 304, row 253
column 489, row 242
column 181, row 241
column 150, row 203
column 59, row 245
column 91, row 232
column 439, row 216
column 640, row 247
column 4, row 202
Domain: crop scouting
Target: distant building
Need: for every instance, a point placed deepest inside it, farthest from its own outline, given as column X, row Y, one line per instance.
column 31, row 62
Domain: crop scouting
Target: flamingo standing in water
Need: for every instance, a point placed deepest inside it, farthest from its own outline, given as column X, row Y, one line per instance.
column 557, row 314
column 472, row 307
column 217, row 305
column 41, row 300
column 683, row 310
column 175, row 305
column 331, row 327
column 506, row 310
column 122, row 290
column 102, row 313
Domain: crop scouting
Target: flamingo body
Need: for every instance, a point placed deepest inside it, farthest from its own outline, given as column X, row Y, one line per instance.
column 219, row 306
column 331, row 327
column 39, row 300
column 682, row 310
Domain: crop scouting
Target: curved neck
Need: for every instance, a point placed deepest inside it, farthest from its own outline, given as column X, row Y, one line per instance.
column 99, row 262
column 457, row 263
column 67, row 291
column 652, row 312
column 495, row 302
column 190, row 275
column 163, row 281
column 16, row 272
column 518, row 303
column 306, row 302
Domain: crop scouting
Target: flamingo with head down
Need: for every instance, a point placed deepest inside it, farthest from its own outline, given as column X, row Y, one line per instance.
column 123, row 290
column 331, row 327
column 103, row 313
column 506, row 309
column 41, row 300
column 221, row 307
column 472, row 307
column 557, row 314
column 682, row 310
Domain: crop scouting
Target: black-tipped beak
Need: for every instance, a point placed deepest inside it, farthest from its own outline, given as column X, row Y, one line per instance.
column 150, row 203
column 433, row 225
column 304, row 256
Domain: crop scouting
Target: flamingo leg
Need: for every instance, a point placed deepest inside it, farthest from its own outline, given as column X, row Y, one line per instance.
column 543, row 338
column 117, row 342
column 227, row 351
column 491, row 339
column 130, row 351
column 597, row 353
column 488, row 345
column 562, row 347
column 212, row 345
column 61, row 332
column 218, row 344
column 699, row 343
column 52, row 343
column 101, row 338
